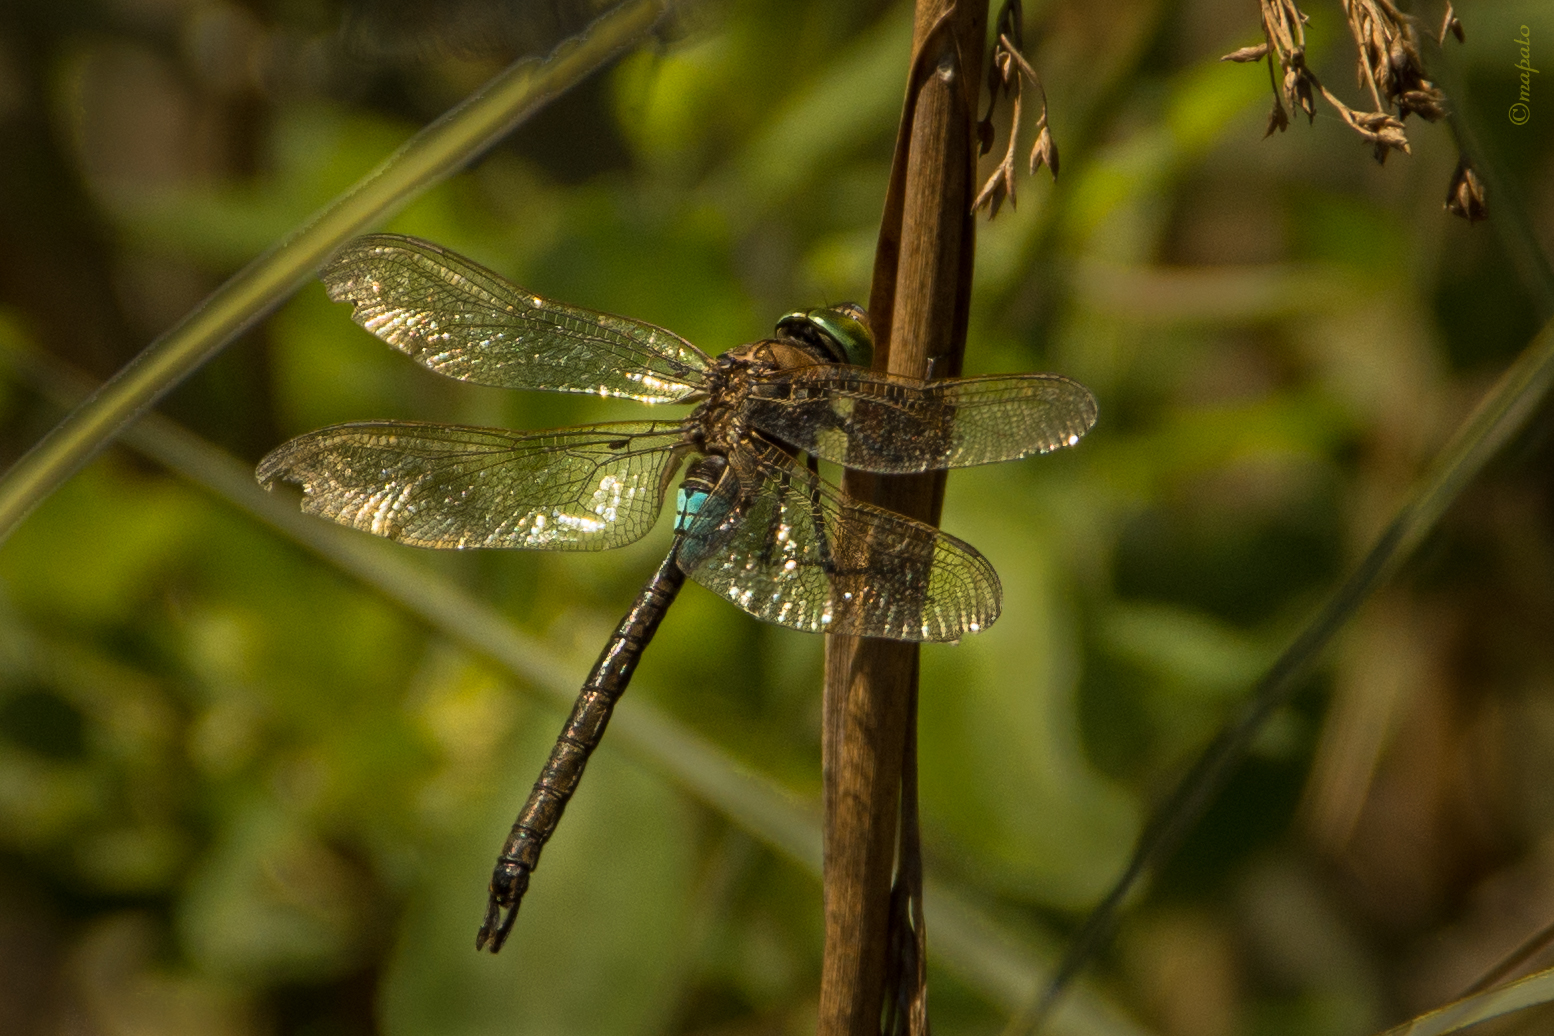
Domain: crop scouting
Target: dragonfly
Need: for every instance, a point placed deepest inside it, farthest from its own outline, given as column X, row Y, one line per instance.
column 752, row 523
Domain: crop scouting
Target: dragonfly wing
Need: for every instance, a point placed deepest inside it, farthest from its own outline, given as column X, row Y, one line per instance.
column 895, row 425
column 432, row 485
column 794, row 550
column 462, row 320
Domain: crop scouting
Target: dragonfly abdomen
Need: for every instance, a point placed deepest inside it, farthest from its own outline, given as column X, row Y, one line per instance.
column 563, row 770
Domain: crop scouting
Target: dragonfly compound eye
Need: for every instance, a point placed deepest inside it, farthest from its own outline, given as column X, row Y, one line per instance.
column 842, row 331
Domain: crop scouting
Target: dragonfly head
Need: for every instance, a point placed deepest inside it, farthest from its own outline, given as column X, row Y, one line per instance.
column 840, row 332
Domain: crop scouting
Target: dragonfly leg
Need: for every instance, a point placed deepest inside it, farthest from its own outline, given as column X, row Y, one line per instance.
column 817, row 519
column 584, row 728
column 770, row 541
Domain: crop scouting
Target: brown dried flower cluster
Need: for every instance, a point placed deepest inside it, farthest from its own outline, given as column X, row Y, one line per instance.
column 1465, row 196
column 1389, row 60
column 1450, row 26
column 1004, row 73
column 1389, row 66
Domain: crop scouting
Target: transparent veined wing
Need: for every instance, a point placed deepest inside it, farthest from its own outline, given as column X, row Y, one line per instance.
column 462, row 320
column 895, row 425
column 432, row 485
column 790, row 548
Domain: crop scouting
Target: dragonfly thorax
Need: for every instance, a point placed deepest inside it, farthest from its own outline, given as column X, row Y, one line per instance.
column 722, row 422
column 807, row 338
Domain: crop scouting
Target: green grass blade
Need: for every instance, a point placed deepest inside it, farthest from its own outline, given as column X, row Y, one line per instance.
column 1008, row 970
column 432, row 154
column 1528, row 992
column 1505, row 411
column 1001, row 966
column 1521, row 391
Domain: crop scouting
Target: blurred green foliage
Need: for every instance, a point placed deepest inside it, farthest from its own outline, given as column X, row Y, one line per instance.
column 241, row 794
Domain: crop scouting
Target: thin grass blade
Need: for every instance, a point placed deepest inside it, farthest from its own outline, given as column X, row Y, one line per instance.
column 1505, row 411
column 1531, row 991
column 1521, row 391
column 431, row 155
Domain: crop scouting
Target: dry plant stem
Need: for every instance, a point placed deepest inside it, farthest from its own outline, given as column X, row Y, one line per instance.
column 918, row 303
column 1536, row 990
column 1533, row 945
column 906, row 973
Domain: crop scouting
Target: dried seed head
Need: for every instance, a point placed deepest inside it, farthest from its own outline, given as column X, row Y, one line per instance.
column 998, row 187
column 1278, row 120
column 1007, row 70
column 1450, row 24
column 1247, row 54
column 1389, row 63
column 1298, row 82
column 1465, row 195
column 1044, row 152
column 1429, row 104
column 1388, row 66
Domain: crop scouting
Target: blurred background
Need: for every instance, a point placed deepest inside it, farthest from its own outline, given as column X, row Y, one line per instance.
column 242, row 794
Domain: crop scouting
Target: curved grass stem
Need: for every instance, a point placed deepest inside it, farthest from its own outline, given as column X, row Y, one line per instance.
column 438, row 150
column 1504, row 412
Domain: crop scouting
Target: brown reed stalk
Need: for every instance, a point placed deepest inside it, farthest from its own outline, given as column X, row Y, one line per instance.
column 918, row 303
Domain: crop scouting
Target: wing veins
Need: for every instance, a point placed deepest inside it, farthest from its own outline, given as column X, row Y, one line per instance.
column 465, row 321
column 445, row 486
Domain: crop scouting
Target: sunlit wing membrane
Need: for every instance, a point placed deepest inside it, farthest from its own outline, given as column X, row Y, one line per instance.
column 586, row 488
column 893, row 425
column 795, row 551
column 462, row 320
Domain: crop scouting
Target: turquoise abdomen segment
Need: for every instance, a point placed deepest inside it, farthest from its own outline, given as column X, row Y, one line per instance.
column 704, row 482
column 687, row 505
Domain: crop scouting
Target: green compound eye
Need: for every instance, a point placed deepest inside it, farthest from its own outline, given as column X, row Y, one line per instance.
column 842, row 331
